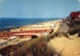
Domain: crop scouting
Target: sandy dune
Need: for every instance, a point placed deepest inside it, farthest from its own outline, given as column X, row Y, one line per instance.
column 65, row 46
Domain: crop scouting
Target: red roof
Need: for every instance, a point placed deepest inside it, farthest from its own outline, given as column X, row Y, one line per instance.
column 74, row 15
column 24, row 32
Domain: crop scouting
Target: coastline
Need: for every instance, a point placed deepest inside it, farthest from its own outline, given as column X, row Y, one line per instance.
column 14, row 23
column 55, row 24
column 43, row 25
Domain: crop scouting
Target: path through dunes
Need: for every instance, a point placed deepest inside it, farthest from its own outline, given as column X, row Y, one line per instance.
column 65, row 46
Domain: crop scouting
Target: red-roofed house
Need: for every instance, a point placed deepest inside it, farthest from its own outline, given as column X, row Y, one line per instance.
column 75, row 16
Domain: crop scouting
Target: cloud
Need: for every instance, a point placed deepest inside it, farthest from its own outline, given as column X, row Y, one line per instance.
column 79, row 0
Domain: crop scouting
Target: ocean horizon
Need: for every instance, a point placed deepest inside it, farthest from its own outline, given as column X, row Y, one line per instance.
column 7, row 23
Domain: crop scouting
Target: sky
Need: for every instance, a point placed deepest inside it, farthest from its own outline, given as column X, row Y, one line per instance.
column 38, row 8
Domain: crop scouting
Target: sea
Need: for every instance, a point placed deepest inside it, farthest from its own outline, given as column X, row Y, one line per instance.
column 8, row 23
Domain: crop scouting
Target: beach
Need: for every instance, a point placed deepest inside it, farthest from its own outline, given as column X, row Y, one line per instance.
column 55, row 24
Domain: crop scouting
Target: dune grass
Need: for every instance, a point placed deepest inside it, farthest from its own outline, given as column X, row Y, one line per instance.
column 35, row 47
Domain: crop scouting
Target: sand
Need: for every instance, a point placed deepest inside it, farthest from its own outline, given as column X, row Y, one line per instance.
column 44, row 25
column 65, row 46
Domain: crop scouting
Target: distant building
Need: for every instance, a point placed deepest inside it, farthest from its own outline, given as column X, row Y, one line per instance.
column 75, row 16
